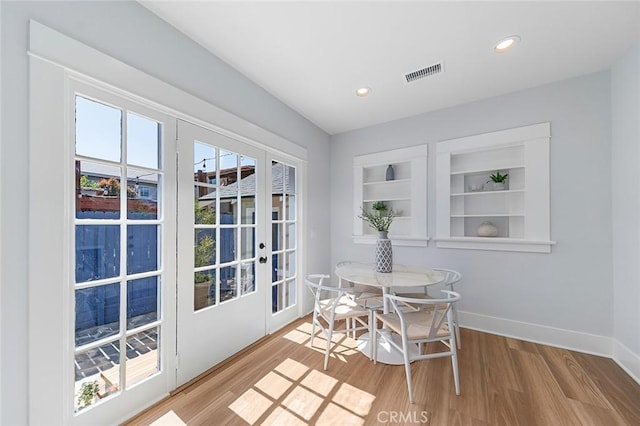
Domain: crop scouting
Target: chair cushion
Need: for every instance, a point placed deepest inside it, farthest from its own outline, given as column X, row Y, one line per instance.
column 418, row 324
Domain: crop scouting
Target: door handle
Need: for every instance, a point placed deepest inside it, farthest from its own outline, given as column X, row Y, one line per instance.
column 263, row 260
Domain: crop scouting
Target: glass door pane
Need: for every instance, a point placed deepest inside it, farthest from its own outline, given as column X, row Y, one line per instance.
column 284, row 224
column 118, row 263
column 224, row 224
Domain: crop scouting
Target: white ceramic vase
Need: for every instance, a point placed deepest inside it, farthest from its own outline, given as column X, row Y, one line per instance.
column 384, row 253
column 499, row 186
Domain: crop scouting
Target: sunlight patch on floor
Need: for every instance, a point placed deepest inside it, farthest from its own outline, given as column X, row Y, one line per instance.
column 294, row 394
column 355, row 399
column 319, row 382
column 273, row 385
column 297, row 336
column 291, row 369
column 169, row 419
column 342, row 345
column 336, row 415
column 250, row 406
column 303, row 402
column 281, row 417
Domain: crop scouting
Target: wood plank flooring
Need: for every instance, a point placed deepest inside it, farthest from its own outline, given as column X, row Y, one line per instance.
column 504, row 381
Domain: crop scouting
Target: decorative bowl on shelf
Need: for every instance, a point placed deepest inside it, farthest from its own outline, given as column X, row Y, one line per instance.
column 487, row 229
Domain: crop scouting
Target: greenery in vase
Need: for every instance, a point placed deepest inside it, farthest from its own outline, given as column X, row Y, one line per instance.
column 380, row 218
column 497, row 177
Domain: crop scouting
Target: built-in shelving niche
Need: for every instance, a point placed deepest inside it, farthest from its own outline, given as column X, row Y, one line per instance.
column 466, row 196
column 406, row 194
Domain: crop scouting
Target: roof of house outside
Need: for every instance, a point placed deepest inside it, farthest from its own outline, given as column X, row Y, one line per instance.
column 279, row 182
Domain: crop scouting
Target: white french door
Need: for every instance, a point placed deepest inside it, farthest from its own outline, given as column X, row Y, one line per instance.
column 123, row 225
column 166, row 267
column 222, row 252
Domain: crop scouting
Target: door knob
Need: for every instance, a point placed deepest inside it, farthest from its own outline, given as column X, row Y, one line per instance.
column 263, row 260
column 262, row 245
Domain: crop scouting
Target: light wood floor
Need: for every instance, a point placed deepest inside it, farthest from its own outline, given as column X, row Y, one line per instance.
column 503, row 382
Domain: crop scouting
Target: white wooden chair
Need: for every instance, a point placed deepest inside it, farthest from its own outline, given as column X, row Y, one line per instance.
column 433, row 322
column 451, row 278
column 333, row 304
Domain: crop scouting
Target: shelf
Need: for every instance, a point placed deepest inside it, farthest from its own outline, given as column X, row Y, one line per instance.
column 373, row 200
column 483, row 171
column 496, row 243
column 506, row 191
column 387, row 182
column 466, row 197
column 396, row 240
column 406, row 195
column 520, row 214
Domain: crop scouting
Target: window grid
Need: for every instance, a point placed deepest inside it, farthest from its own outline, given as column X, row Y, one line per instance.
column 223, row 271
column 107, row 348
column 284, row 278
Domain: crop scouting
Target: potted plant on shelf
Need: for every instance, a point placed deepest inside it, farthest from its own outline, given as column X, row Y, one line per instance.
column 380, row 219
column 499, row 180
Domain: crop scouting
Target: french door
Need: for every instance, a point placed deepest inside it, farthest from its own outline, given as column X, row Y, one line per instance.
column 238, row 247
column 222, row 251
column 177, row 254
column 122, row 262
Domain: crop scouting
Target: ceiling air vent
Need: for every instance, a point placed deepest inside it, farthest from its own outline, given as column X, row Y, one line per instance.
column 424, row 72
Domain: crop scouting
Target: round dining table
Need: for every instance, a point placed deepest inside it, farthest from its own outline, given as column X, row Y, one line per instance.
column 402, row 277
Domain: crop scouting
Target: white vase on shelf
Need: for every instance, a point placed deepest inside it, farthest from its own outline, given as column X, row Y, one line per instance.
column 499, row 186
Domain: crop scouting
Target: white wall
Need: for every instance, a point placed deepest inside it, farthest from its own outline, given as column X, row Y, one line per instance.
column 132, row 34
column 570, row 288
column 625, row 189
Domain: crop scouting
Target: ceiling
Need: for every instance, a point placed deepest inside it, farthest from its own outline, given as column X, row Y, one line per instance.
column 314, row 55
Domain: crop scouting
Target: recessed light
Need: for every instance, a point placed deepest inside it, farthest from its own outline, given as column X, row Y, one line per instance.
column 506, row 44
column 363, row 91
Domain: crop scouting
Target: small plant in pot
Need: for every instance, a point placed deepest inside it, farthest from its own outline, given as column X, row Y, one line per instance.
column 379, row 219
column 88, row 393
column 499, row 180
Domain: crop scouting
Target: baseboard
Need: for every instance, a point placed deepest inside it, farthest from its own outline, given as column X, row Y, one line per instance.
column 627, row 360
column 562, row 338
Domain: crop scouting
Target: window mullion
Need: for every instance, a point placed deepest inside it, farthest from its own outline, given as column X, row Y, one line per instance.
column 124, row 252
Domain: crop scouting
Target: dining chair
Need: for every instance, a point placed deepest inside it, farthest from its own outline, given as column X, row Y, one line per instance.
column 432, row 324
column 451, row 278
column 331, row 305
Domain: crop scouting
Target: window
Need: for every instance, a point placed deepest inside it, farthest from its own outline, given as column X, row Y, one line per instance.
column 144, row 191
